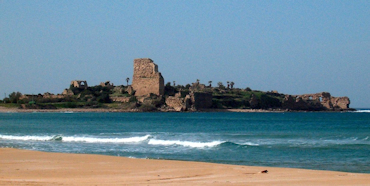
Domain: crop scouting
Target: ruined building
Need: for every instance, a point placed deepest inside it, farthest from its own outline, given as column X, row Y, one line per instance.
column 146, row 78
column 318, row 101
column 79, row 84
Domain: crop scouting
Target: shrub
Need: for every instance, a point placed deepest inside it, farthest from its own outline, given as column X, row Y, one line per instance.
column 103, row 98
column 71, row 105
column 133, row 99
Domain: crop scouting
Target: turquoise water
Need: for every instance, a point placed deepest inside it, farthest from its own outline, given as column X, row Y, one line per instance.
column 326, row 141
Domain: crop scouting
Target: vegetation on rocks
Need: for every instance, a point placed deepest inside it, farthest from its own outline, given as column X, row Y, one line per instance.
column 123, row 97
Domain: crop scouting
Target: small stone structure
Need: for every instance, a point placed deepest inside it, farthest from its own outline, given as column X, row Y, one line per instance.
column 79, row 84
column 67, row 92
column 107, row 84
column 191, row 102
column 146, row 78
column 201, row 100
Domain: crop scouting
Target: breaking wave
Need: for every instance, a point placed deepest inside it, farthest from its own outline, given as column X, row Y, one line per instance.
column 152, row 141
column 136, row 139
column 27, row 138
column 107, row 140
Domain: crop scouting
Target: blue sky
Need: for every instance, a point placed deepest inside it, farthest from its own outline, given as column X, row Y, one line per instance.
column 294, row 47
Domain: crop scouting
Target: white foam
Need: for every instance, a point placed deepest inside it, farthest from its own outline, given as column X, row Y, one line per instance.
column 26, row 138
column 184, row 143
column 367, row 111
column 250, row 144
column 78, row 139
column 106, row 140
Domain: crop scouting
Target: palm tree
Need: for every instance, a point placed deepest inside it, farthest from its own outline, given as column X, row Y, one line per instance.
column 174, row 83
column 127, row 79
column 232, row 84
column 228, row 84
column 198, row 81
column 210, row 83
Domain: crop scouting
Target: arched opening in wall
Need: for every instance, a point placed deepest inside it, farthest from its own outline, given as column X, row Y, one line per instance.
column 310, row 98
column 320, row 98
column 82, row 83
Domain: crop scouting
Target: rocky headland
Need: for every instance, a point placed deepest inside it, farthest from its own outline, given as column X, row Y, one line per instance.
column 149, row 93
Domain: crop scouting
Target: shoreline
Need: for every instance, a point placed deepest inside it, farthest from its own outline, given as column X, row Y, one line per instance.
column 19, row 167
column 77, row 110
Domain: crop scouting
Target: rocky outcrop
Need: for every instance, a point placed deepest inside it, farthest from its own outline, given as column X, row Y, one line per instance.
column 340, row 102
column 315, row 102
column 146, row 78
column 178, row 103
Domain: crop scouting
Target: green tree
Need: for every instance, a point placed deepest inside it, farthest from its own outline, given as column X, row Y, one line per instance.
column 14, row 97
column 210, row 83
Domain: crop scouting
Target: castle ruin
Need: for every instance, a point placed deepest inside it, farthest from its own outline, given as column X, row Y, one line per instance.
column 146, row 78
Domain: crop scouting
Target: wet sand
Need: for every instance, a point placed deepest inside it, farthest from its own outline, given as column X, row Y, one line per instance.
column 24, row 167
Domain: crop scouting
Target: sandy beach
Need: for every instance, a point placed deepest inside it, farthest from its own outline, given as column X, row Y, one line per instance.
column 25, row 167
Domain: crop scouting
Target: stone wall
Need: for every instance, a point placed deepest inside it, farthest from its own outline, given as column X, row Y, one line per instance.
column 201, row 100
column 146, row 78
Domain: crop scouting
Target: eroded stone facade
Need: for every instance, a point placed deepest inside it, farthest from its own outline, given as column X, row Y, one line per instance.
column 318, row 101
column 146, row 78
column 79, row 84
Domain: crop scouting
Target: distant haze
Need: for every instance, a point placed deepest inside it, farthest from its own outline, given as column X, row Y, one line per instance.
column 293, row 47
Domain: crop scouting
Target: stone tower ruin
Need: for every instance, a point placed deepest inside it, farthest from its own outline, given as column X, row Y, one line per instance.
column 146, row 78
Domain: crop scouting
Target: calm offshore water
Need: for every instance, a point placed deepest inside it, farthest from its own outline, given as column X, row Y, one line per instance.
column 327, row 141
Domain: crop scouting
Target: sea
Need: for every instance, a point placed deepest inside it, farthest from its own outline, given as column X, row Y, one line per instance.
column 337, row 141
